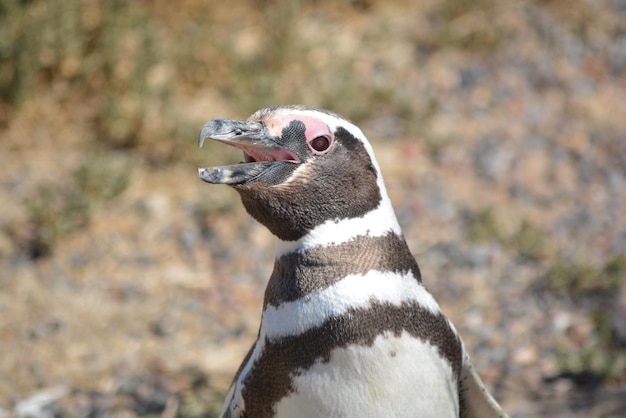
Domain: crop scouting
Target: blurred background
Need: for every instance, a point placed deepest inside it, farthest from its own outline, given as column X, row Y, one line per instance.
column 130, row 288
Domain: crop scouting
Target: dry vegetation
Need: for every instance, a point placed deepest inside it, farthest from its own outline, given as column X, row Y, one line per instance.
column 129, row 288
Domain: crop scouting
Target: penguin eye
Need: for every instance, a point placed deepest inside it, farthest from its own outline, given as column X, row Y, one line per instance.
column 320, row 144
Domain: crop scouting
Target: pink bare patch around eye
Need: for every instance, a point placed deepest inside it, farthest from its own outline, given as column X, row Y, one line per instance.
column 318, row 137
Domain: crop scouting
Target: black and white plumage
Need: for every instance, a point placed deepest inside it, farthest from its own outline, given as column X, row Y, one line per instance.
column 348, row 329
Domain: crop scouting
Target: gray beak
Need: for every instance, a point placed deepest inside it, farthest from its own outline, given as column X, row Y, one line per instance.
column 261, row 150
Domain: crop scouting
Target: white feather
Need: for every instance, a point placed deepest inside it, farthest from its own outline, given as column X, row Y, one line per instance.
column 352, row 292
column 395, row 377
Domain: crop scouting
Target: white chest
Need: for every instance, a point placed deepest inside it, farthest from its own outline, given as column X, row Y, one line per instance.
column 368, row 345
column 396, row 377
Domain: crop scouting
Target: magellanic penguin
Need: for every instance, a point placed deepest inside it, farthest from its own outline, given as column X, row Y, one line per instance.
column 348, row 329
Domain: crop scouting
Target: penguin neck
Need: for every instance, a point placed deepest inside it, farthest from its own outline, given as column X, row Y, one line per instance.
column 375, row 223
column 339, row 249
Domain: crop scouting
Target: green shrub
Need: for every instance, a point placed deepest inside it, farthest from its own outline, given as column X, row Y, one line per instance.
column 607, row 362
column 483, row 226
column 57, row 210
column 107, row 51
column 599, row 288
column 578, row 279
column 530, row 242
column 53, row 212
column 466, row 25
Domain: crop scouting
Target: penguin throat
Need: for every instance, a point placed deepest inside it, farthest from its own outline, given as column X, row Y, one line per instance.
column 375, row 223
column 297, row 274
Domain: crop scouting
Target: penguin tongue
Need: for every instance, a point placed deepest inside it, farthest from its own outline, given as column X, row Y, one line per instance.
column 257, row 154
column 259, row 148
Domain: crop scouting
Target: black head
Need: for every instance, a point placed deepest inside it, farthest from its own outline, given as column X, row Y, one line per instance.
column 303, row 166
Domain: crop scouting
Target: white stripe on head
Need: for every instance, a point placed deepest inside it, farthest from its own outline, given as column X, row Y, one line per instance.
column 377, row 222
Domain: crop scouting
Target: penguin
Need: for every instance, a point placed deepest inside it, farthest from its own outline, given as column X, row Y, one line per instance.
column 348, row 328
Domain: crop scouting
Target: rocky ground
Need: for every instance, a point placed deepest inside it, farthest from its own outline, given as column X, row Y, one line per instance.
column 130, row 288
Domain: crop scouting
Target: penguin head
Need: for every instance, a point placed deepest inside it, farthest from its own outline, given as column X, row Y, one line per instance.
column 302, row 167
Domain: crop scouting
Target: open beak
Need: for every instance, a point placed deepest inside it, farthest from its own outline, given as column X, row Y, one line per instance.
column 260, row 150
